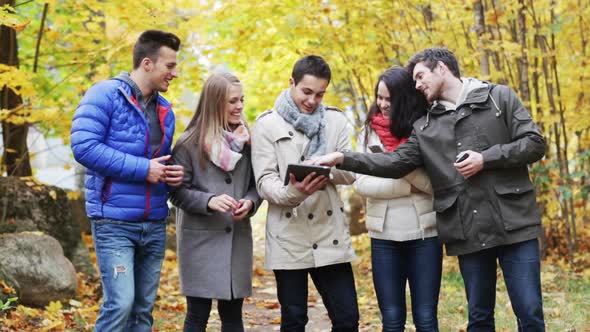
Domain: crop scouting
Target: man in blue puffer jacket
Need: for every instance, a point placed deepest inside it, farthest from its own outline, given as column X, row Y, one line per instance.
column 122, row 133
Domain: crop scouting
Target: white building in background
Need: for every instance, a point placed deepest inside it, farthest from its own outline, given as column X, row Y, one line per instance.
column 52, row 160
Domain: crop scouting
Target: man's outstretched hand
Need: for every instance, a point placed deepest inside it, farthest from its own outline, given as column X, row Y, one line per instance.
column 330, row 159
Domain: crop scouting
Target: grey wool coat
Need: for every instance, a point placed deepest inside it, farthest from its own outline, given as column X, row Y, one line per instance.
column 214, row 251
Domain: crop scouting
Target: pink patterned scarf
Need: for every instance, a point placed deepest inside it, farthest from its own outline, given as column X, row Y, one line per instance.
column 226, row 153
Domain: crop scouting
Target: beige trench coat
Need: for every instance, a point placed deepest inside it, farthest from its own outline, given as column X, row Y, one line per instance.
column 301, row 231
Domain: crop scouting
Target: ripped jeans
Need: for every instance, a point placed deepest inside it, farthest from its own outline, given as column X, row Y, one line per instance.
column 129, row 256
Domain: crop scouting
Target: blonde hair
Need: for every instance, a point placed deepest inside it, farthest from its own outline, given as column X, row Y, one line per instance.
column 209, row 120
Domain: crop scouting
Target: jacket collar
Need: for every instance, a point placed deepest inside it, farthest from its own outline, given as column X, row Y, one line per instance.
column 477, row 94
column 135, row 90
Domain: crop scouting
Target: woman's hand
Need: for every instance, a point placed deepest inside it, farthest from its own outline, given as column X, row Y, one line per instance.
column 244, row 208
column 222, row 203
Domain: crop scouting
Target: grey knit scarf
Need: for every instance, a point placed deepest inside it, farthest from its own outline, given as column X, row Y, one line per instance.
column 312, row 125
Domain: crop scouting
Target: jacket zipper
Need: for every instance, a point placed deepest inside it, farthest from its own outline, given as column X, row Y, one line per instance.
column 147, row 150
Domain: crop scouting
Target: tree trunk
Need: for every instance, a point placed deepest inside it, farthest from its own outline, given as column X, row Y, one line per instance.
column 15, row 160
column 480, row 29
column 523, row 68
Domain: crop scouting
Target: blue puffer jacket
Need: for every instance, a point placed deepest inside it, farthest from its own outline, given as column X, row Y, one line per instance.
column 110, row 137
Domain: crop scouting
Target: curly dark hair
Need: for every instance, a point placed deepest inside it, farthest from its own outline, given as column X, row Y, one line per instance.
column 431, row 56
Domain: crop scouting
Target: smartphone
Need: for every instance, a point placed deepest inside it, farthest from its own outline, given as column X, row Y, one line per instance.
column 461, row 156
column 375, row 148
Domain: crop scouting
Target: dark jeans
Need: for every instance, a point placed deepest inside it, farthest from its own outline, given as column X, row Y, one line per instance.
column 521, row 267
column 335, row 283
column 418, row 262
column 198, row 309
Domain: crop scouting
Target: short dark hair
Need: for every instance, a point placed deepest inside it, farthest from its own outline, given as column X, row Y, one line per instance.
column 313, row 65
column 431, row 56
column 406, row 103
column 148, row 45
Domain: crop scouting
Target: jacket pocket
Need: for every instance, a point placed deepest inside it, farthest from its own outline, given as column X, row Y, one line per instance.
column 517, row 205
column 423, row 204
column 473, row 139
column 448, row 218
column 105, row 190
column 375, row 214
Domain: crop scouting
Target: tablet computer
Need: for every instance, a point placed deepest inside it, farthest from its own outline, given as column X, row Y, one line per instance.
column 301, row 171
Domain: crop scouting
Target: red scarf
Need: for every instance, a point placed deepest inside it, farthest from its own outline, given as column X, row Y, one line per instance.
column 381, row 127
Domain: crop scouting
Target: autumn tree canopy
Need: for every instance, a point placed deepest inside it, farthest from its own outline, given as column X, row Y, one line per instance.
column 539, row 48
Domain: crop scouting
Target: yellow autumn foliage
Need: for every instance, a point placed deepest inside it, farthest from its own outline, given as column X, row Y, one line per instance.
column 545, row 60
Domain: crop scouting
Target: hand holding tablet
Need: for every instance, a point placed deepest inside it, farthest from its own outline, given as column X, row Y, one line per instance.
column 300, row 171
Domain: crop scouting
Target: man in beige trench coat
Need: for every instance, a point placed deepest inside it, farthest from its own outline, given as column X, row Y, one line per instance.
column 306, row 229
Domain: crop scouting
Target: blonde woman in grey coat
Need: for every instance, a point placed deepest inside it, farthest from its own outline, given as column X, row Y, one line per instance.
column 215, row 202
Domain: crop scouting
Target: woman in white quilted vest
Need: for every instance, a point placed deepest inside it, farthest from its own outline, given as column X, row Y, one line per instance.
column 399, row 212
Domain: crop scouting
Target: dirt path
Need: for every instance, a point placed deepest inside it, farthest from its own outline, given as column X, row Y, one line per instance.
column 262, row 311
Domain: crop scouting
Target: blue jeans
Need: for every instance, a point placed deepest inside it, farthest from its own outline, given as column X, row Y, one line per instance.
column 130, row 256
column 335, row 283
column 521, row 267
column 198, row 310
column 418, row 262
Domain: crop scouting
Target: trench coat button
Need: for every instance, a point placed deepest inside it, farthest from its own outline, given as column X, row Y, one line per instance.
column 459, row 144
column 462, row 113
column 310, row 216
column 335, row 242
column 341, row 209
column 475, row 211
column 315, row 246
column 517, row 189
column 302, row 158
column 329, row 212
column 228, row 229
column 290, row 133
column 483, row 244
column 228, row 180
column 288, row 214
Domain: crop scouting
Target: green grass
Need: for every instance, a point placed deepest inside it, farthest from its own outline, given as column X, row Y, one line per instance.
column 566, row 297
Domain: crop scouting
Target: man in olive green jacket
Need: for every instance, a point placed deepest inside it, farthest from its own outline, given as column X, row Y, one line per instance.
column 475, row 143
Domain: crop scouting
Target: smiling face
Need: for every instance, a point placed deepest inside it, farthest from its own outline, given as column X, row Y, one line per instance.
column 429, row 82
column 162, row 70
column 383, row 99
column 234, row 105
column 308, row 93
